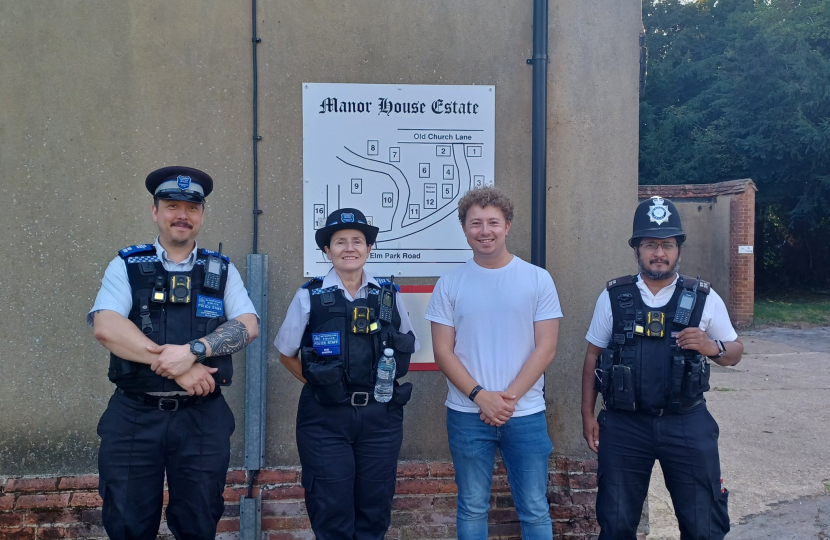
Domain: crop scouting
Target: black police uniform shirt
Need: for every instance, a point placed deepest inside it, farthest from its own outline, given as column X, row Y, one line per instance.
column 290, row 336
column 714, row 320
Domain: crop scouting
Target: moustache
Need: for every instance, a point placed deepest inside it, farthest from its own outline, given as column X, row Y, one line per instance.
column 182, row 224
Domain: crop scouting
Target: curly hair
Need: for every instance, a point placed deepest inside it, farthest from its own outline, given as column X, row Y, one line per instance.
column 485, row 196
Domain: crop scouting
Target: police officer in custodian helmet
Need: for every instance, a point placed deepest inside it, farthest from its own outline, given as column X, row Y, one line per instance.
column 647, row 348
column 333, row 335
column 171, row 316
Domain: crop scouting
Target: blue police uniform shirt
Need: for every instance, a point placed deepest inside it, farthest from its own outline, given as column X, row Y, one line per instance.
column 116, row 295
column 290, row 336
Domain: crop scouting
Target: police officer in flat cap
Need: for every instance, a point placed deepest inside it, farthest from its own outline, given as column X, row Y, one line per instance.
column 336, row 329
column 648, row 345
column 171, row 316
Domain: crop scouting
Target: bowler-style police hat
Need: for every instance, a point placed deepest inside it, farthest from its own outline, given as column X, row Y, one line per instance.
column 656, row 218
column 345, row 218
column 179, row 184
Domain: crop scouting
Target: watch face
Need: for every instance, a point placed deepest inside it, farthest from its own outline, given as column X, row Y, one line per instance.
column 198, row 348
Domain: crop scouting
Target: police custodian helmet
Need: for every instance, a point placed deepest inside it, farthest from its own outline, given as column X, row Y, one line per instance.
column 656, row 218
column 179, row 184
column 345, row 218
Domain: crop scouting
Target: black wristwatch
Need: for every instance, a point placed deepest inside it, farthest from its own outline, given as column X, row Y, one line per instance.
column 475, row 392
column 198, row 348
column 721, row 349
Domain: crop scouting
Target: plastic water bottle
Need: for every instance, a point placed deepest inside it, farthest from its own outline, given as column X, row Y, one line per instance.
column 386, row 376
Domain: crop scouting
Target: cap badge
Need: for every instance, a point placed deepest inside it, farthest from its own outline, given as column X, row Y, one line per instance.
column 347, row 218
column 183, row 181
column 659, row 212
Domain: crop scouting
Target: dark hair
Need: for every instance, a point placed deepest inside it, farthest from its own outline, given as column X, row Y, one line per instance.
column 485, row 196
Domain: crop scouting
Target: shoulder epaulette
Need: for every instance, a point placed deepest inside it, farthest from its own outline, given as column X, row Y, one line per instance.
column 624, row 280
column 688, row 282
column 135, row 250
column 210, row 252
column 308, row 284
column 385, row 281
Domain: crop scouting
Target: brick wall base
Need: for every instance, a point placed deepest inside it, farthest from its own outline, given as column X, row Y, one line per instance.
column 424, row 506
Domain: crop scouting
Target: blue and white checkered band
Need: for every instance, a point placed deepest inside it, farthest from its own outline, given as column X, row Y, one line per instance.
column 658, row 213
column 183, row 181
column 374, row 291
column 200, row 261
column 347, row 218
column 176, row 185
column 133, row 260
column 324, row 291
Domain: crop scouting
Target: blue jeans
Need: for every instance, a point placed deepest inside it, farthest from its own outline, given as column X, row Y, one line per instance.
column 525, row 448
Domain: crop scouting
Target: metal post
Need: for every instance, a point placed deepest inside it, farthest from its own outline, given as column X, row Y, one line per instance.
column 539, row 138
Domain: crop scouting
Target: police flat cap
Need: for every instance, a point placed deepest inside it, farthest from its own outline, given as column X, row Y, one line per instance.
column 179, row 184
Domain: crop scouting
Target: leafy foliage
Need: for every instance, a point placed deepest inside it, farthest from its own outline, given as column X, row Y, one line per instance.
column 741, row 89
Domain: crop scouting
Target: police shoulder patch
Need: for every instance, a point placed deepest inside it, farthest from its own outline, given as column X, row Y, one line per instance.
column 311, row 282
column 385, row 281
column 688, row 282
column 129, row 251
column 210, row 252
column 623, row 280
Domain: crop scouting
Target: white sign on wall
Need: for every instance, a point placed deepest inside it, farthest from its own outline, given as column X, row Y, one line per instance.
column 403, row 155
column 745, row 249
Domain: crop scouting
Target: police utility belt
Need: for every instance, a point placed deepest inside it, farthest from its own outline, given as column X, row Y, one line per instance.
column 643, row 369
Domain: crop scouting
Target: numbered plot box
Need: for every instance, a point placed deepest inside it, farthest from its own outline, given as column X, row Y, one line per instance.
column 394, row 153
column 446, row 191
column 414, row 211
column 372, row 148
column 357, row 185
column 430, row 196
column 449, row 172
column 443, row 150
column 319, row 216
column 478, row 180
column 387, row 199
column 369, row 220
column 473, row 151
column 423, row 170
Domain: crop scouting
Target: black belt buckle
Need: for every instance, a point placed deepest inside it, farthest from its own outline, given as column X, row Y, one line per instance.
column 168, row 404
column 363, row 401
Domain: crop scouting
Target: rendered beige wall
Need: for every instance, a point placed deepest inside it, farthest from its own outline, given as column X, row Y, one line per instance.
column 96, row 94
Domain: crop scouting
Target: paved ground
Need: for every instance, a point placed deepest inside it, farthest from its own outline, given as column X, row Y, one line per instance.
column 774, row 434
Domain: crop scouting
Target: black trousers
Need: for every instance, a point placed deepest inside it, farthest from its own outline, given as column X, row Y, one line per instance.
column 687, row 446
column 139, row 444
column 349, row 457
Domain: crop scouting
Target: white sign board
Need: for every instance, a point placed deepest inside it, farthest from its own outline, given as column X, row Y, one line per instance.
column 745, row 249
column 403, row 155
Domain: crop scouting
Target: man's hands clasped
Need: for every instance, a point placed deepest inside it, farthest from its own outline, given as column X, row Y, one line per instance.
column 178, row 363
column 496, row 407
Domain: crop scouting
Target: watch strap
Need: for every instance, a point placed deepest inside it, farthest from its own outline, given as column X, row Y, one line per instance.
column 475, row 392
column 721, row 349
column 200, row 357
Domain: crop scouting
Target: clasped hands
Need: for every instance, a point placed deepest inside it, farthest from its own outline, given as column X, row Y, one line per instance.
column 496, row 407
column 178, row 363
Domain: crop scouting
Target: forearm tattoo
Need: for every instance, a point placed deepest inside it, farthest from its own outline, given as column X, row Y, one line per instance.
column 228, row 338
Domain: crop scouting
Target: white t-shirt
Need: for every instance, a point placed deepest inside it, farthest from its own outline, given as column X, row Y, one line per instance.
column 714, row 320
column 492, row 312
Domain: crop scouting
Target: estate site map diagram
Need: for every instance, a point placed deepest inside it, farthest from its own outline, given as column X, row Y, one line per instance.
column 403, row 155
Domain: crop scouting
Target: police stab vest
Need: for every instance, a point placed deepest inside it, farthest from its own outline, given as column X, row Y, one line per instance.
column 168, row 322
column 645, row 372
column 336, row 359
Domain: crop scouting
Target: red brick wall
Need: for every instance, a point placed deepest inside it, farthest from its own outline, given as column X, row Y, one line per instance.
column 742, row 267
column 424, row 506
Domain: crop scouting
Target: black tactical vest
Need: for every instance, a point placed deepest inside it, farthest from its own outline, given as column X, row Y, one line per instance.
column 647, row 373
column 168, row 322
column 335, row 360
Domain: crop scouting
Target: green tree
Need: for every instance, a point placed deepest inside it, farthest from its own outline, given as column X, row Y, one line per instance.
column 741, row 88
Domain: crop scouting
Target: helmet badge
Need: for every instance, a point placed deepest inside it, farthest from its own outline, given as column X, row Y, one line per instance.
column 658, row 213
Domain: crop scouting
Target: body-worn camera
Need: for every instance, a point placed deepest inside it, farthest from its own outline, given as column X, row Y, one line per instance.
column 362, row 321
column 180, row 289
column 655, row 324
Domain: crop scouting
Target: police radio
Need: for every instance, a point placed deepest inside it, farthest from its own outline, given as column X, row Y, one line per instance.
column 686, row 304
column 213, row 271
column 387, row 301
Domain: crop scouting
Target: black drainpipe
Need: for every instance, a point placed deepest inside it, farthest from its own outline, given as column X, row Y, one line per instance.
column 254, row 42
column 539, row 141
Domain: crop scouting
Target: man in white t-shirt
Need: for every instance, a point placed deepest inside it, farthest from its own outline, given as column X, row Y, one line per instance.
column 495, row 324
column 646, row 348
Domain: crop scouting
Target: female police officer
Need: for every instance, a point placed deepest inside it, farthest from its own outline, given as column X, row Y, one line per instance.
column 333, row 335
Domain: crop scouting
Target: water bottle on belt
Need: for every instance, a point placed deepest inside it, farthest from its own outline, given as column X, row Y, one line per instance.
column 384, row 385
